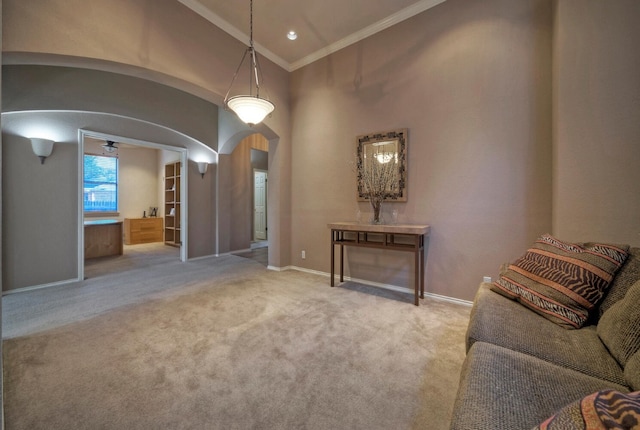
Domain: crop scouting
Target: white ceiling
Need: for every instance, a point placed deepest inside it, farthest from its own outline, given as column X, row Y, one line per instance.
column 323, row 26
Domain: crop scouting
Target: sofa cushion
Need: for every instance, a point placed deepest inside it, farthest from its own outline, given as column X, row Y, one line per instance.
column 632, row 372
column 562, row 281
column 500, row 321
column 628, row 274
column 609, row 409
column 504, row 389
column 619, row 326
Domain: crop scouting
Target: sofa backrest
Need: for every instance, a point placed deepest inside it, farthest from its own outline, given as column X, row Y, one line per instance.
column 628, row 274
column 619, row 326
column 632, row 372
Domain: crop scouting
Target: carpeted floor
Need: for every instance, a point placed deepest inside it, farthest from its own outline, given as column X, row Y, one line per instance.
column 223, row 343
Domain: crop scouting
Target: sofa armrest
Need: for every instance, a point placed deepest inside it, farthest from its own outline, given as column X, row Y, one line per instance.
column 502, row 389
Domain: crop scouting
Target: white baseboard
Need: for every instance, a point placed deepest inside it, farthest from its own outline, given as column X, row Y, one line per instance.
column 39, row 287
column 380, row 285
column 279, row 269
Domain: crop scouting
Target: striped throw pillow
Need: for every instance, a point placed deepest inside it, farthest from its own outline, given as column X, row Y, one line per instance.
column 562, row 281
column 606, row 409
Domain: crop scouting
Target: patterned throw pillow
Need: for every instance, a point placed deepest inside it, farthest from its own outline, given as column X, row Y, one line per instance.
column 606, row 409
column 561, row 281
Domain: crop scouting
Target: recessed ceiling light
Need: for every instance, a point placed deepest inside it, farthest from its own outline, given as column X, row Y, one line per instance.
column 292, row 35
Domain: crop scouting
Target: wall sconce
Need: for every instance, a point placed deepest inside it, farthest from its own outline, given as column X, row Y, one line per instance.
column 202, row 168
column 42, row 148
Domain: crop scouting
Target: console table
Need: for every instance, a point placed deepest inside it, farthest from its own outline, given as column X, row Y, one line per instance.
column 383, row 237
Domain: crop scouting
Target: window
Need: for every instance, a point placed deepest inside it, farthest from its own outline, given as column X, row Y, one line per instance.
column 100, row 183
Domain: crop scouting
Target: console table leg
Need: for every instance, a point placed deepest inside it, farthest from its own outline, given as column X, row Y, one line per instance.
column 341, row 263
column 422, row 274
column 417, row 276
column 332, row 259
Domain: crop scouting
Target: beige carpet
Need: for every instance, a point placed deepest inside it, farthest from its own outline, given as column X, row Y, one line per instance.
column 235, row 346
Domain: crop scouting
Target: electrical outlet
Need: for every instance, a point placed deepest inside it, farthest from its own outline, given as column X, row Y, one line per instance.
column 486, row 279
column 303, row 254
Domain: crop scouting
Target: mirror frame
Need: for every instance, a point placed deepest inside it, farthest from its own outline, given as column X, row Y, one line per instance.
column 402, row 137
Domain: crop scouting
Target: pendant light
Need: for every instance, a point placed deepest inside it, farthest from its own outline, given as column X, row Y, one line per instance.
column 251, row 109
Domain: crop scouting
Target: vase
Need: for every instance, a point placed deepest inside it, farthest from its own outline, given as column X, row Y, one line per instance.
column 376, row 205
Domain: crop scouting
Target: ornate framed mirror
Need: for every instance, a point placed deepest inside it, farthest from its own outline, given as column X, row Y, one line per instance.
column 382, row 162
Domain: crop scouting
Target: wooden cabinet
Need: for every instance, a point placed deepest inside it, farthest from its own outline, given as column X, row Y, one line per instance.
column 172, row 204
column 142, row 230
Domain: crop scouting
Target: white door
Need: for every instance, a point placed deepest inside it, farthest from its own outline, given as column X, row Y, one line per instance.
column 260, row 205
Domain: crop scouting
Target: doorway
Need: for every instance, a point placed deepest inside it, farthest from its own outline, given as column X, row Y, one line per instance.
column 259, row 205
column 137, row 203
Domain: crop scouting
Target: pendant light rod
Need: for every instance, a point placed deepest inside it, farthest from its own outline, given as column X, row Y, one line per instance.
column 251, row 109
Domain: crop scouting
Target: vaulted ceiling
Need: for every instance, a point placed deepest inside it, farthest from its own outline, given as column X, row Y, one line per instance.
column 322, row 27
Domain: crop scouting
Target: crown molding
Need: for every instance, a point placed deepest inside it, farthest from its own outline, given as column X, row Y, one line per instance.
column 368, row 31
column 374, row 28
column 216, row 20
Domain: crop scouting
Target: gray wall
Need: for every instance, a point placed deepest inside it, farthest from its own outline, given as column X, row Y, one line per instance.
column 202, row 211
column 65, row 88
column 40, row 211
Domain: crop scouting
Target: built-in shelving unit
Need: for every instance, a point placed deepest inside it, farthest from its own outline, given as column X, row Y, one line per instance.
column 172, row 204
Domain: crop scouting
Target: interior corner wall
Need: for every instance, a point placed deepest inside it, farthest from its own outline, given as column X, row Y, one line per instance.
column 472, row 83
column 596, row 105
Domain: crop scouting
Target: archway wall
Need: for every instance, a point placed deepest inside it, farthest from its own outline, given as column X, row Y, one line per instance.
column 40, row 216
column 164, row 42
column 54, row 88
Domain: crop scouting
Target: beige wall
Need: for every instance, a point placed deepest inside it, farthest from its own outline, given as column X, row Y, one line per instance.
column 138, row 176
column 471, row 81
column 596, row 104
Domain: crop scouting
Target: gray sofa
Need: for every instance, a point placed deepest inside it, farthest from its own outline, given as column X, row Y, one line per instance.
column 522, row 368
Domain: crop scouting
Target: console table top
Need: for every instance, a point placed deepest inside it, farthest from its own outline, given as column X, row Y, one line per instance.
column 381, row 228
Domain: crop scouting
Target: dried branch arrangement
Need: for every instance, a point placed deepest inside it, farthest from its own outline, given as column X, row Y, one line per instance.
column 379, row 175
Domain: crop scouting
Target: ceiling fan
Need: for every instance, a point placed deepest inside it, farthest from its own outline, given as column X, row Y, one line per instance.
column 110, row 147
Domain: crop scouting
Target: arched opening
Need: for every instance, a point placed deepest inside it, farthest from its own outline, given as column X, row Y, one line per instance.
column 249, row 202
